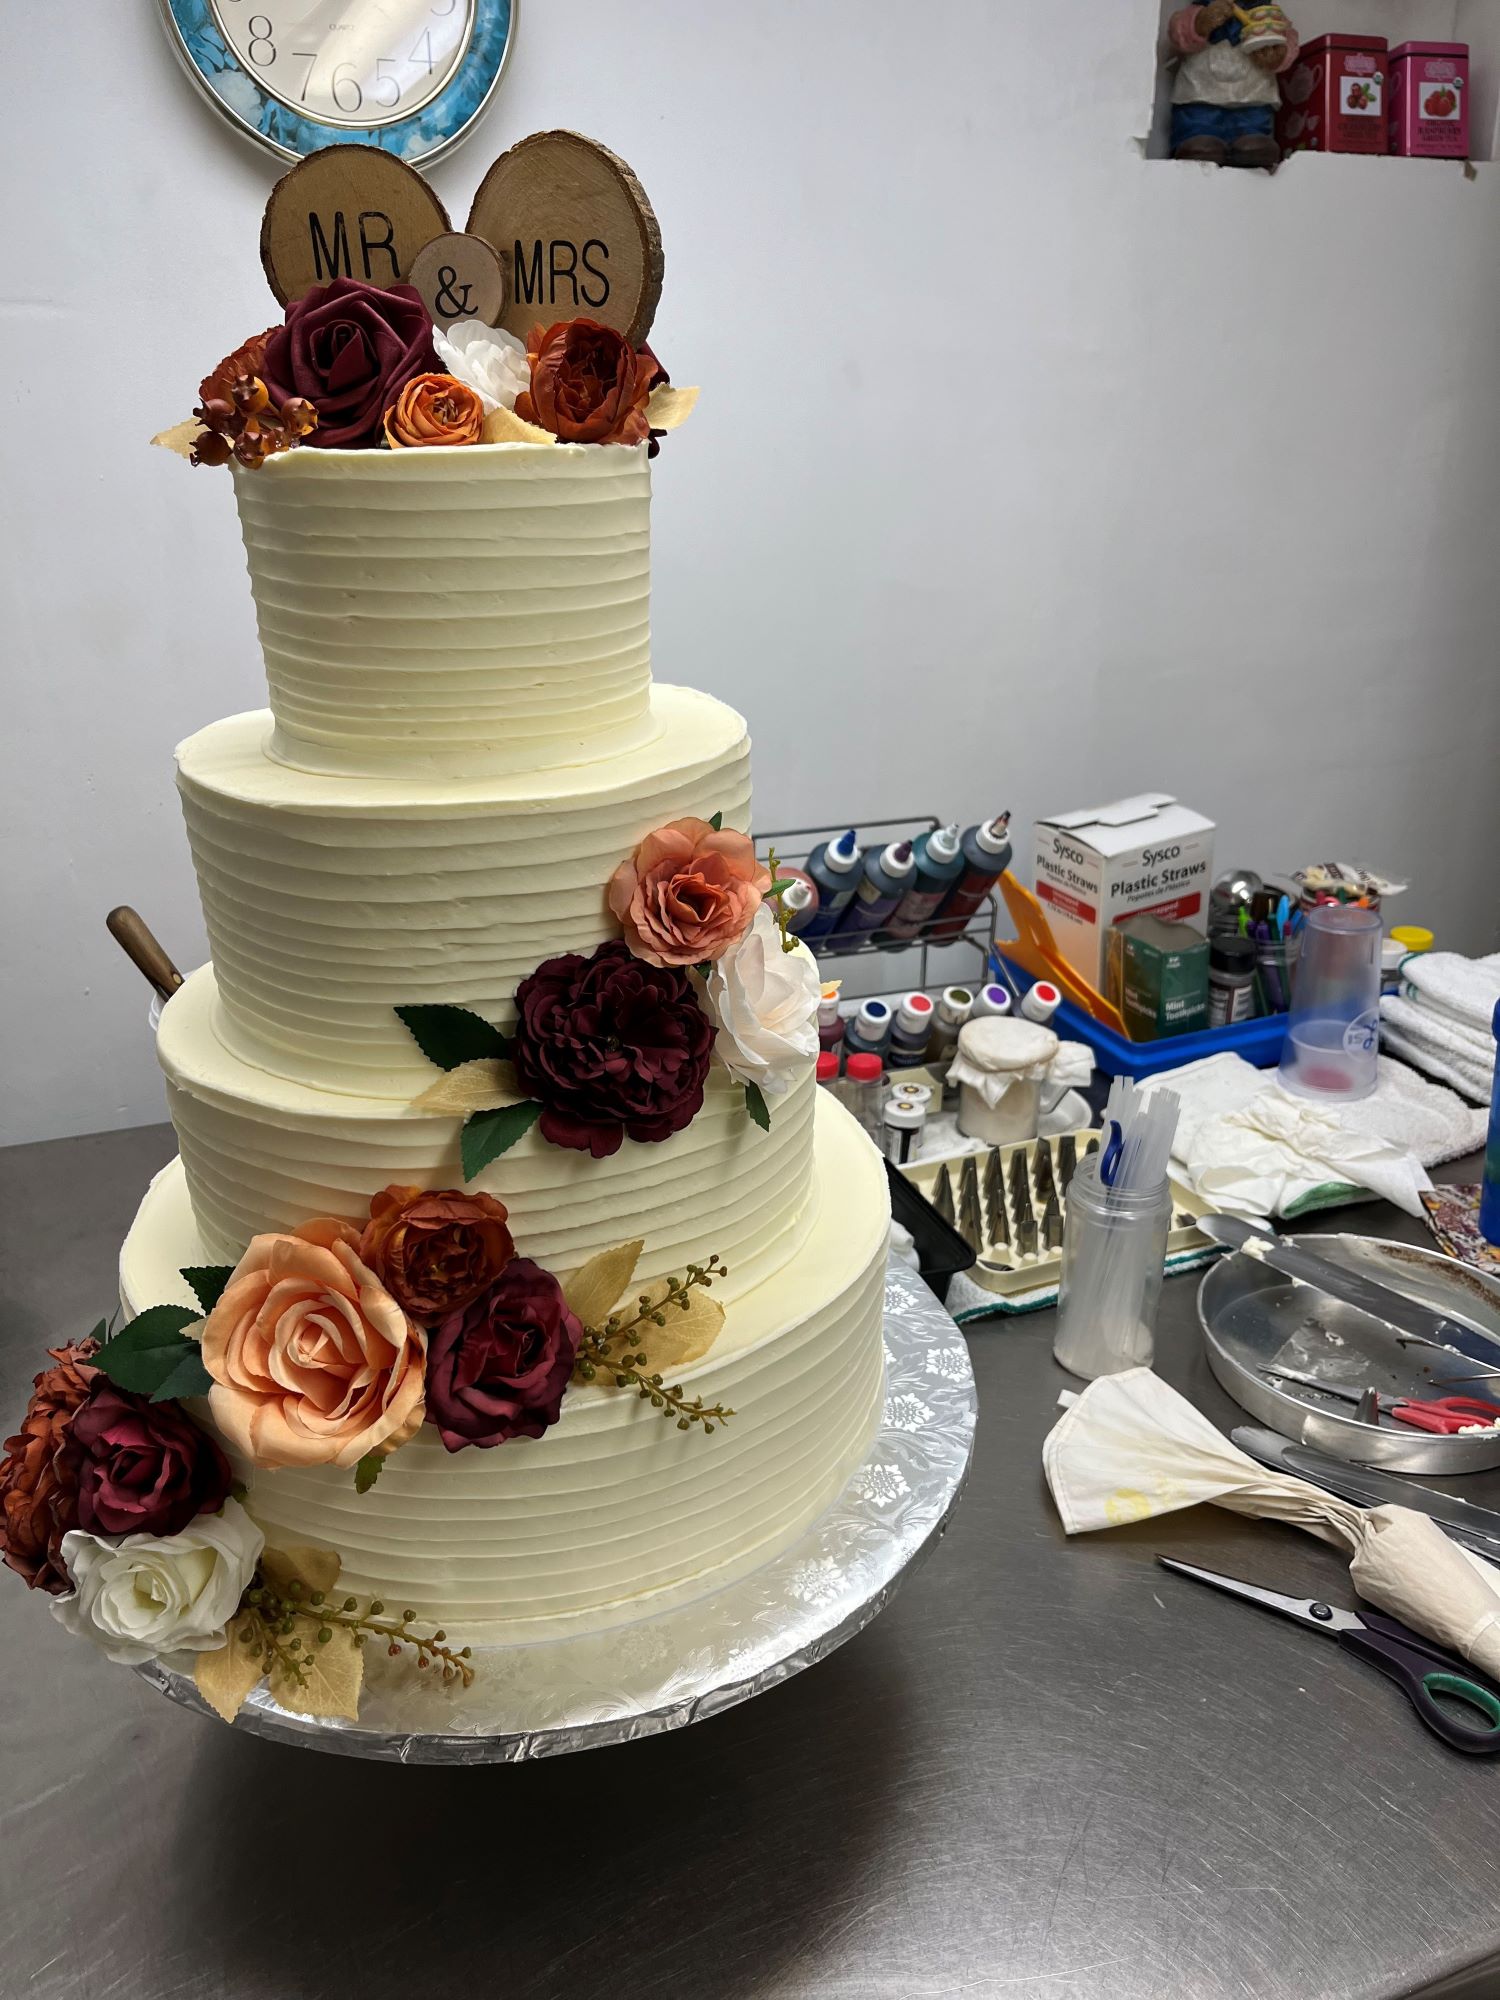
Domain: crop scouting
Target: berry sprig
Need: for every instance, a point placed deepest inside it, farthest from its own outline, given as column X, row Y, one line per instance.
column 612, row 1351
column 272, row 1616
column 248, row 426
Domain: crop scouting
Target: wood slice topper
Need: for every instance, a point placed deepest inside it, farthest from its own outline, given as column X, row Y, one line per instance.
column 346, row 212
column 576, row 232
column 460, row 277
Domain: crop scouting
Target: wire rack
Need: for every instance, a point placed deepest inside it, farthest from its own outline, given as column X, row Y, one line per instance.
column 876, row 951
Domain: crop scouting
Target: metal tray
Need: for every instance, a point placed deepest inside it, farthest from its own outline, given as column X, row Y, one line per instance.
column 1253, row 1316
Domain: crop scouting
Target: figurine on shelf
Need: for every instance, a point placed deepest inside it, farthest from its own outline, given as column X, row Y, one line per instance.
column 1225, row 97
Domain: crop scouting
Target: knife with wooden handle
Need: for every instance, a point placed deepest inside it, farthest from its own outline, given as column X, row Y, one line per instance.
column 131, row 933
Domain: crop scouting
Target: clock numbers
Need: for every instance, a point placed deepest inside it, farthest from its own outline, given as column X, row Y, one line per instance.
column 350, row 62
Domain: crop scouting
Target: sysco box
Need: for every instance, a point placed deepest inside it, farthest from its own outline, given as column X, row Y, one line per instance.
column 1103, row 863
column 1429, row 100
column 1333, row 98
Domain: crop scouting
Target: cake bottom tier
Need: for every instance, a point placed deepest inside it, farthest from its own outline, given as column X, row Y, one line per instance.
column 614, row 1514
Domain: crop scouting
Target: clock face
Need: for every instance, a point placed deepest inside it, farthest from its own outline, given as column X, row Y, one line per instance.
column 409, row 76
column 350, row 63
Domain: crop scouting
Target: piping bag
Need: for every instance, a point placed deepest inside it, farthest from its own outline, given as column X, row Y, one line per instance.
column 1129, row 1448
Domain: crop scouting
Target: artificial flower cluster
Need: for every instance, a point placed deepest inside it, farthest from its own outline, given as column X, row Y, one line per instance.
column 355, row 366
column 325, row 1345
column 618, row 1043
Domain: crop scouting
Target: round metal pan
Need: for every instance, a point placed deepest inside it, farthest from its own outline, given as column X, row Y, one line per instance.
column 1253, row 1317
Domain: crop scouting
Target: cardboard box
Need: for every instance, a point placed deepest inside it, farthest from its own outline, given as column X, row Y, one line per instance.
column 1106, row 862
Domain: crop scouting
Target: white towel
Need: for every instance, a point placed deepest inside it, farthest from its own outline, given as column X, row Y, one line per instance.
column 1440, row 1044
column 1466, row 989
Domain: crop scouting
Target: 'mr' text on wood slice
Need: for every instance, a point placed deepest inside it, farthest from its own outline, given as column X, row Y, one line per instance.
column 346, row 212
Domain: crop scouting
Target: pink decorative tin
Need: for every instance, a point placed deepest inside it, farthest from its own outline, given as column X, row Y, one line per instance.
column 1429, row 100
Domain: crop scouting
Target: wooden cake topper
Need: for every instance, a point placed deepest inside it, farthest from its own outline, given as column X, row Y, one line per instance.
column 347, row 212
column 574, row 228
column 460, row 277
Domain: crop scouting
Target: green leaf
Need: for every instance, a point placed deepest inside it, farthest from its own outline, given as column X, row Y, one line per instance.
column 488, row 1134
column 145, row 1354
column 449, row 1036
column 208, row 1282
column 188, row 1378
column 100, row 1333
column 755, row 1104
column 367, row 1471
column 717, row 822
column 780, row 888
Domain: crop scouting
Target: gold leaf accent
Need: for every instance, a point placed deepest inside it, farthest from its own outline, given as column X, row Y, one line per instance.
column 667, row 407
column 331, row 1674
column 596, row 1288
column 181, row 437
column 318, row 1569
column 486, row 1084
column 226, row 1678
column 688, row 1334
column 505, row 427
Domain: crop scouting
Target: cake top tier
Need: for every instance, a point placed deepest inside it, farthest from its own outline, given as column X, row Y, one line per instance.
column 452, row 612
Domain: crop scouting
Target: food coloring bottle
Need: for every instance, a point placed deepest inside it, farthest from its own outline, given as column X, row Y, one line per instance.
column 834, row 866
column 902, row 1121
column 869, row 1033
column 939, row 862
column 830, row 1021
column 799, row 900
column 882, row 884
column 990, row 1000
column 948, row 1017
column 911, row 1032
column 986, row 853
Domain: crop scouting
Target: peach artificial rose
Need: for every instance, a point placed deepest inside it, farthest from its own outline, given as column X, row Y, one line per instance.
column 687, row 893
column 313, row 1362
column 436, row 1250
column 435, row 409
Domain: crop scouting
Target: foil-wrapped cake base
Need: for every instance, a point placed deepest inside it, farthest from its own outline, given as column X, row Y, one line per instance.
column 662, row 1673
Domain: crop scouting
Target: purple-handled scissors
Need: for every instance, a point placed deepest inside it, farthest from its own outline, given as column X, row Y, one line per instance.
column 1421, row 1669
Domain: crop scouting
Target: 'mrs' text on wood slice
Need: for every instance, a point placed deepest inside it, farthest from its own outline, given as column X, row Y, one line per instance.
column 346, row 212
column 577, row 235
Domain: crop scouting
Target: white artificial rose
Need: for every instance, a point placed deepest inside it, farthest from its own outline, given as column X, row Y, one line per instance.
column 489, row 359
column 140, row 1595
column 765, row 1001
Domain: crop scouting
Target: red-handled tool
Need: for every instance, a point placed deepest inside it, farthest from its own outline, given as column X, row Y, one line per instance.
column 1445, row 1415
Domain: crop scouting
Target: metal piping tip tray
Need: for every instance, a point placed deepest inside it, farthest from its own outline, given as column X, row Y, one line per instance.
column 1013, row 1258
column 1253, row 1317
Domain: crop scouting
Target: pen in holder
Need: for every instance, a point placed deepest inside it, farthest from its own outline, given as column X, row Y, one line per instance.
column 1115, row 1240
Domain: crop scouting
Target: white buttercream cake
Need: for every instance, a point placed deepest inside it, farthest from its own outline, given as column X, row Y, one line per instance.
column 463, row 744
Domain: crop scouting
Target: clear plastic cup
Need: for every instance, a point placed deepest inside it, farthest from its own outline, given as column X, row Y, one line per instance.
column 1332, row 1044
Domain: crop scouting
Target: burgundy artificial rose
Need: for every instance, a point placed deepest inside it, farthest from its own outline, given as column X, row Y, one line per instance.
column 350, row 349
column 611, row 1047
column 497, row 1369
column 142, row 1468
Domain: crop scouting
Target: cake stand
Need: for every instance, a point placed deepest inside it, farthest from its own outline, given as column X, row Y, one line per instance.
column 664, row 1672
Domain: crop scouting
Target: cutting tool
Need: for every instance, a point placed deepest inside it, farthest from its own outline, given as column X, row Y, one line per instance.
column 1421, row 1669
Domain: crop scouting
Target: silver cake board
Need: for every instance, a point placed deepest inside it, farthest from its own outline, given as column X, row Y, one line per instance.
column 662, row 1673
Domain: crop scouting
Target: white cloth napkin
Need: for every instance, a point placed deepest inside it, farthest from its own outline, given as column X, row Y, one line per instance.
column 1440, row 1044
column 1129, row 1447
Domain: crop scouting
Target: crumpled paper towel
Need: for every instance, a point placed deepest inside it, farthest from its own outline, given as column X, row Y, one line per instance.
column 1129, row 1447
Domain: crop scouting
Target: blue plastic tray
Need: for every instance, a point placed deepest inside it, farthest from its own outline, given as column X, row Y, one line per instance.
column 1258, row 1041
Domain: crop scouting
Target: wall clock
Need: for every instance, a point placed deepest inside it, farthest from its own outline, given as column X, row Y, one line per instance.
column 409, row 76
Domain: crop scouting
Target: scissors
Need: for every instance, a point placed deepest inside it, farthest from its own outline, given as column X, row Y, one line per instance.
column 1446, row 1415
column 1419, row 1667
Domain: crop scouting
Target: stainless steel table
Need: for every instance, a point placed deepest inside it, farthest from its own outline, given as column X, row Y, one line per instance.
column 1048, row 1772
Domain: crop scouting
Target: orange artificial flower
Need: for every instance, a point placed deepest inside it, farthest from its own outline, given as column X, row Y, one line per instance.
column 313, row 1362
column 435, row 1250
column 687, row 893
column 588, row 384
column 435, row 409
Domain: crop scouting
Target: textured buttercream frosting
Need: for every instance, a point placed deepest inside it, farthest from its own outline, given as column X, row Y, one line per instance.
column 330, row 901
column 262, row 1153
column 614, row 1513
column 470, row 610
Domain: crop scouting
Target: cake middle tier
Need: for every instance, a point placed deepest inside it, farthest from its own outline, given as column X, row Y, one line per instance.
column 263, row 1154
column 331, row 901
